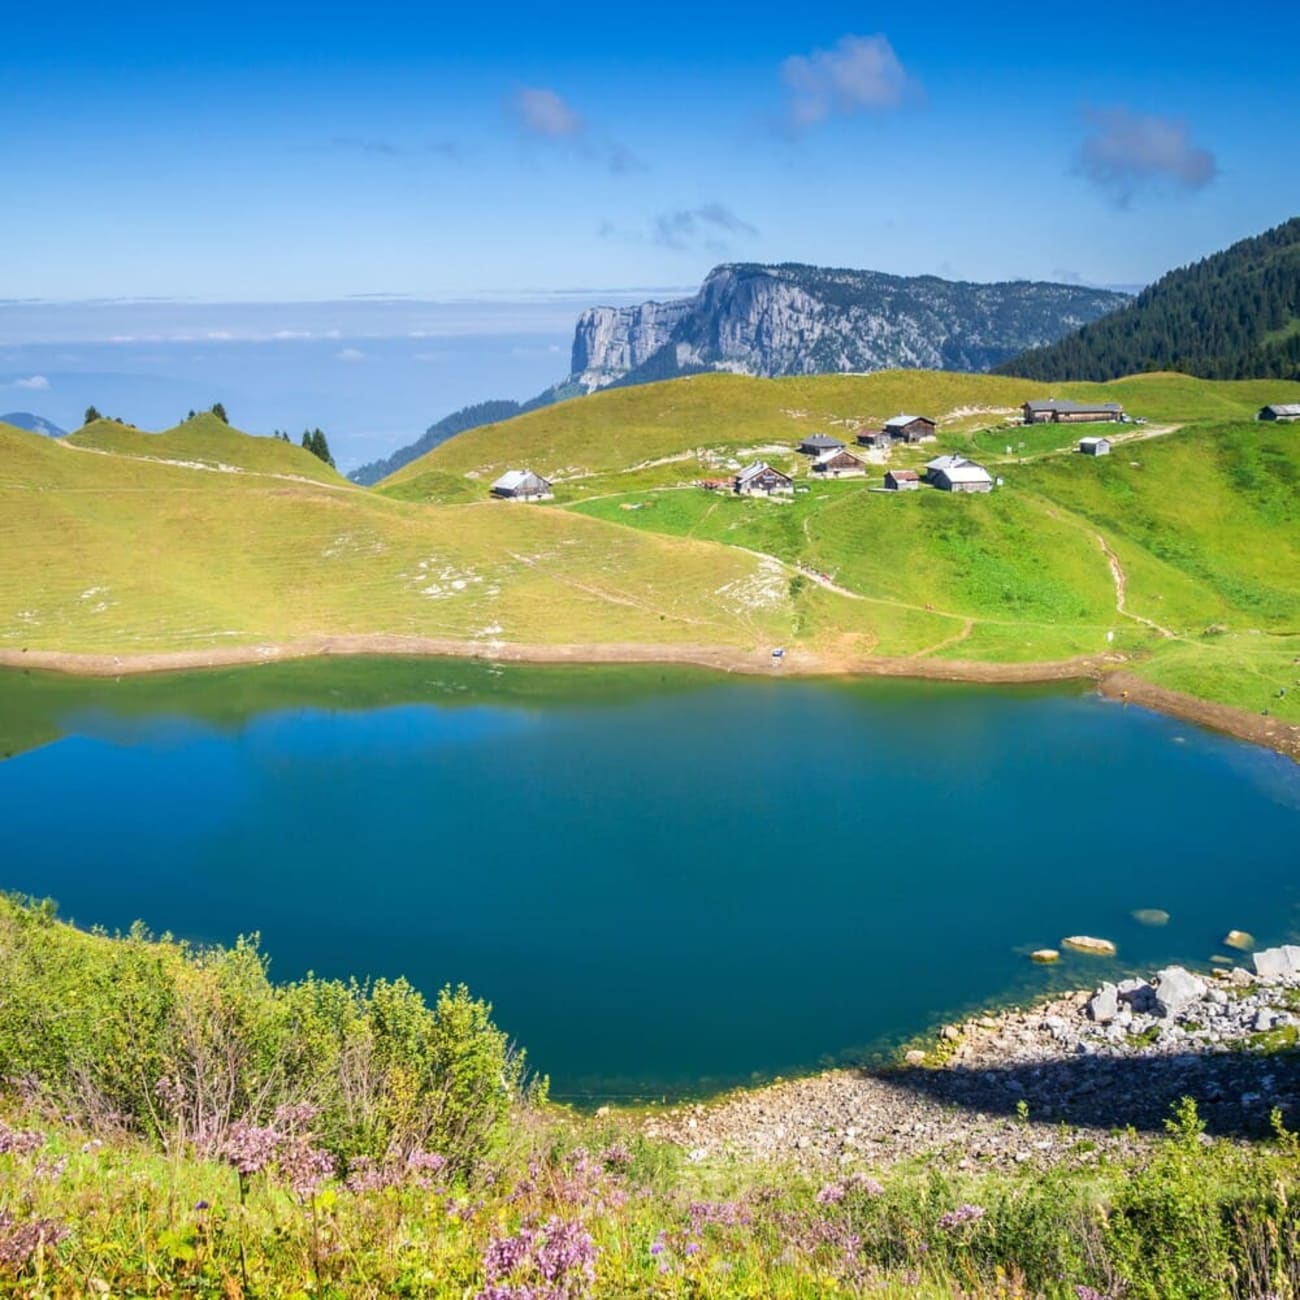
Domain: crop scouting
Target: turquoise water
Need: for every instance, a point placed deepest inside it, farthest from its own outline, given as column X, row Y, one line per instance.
column 663, row 881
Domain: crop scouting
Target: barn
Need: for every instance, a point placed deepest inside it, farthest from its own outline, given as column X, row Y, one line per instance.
column 957, row 474
column 1280, row 411
column 760, row 479
column 817, row 443
column 1052, row 410
column 838, row 464
column 910, row 428
column 1095, row 446
column 902, row 480
column 522, row 485
column 877, row 439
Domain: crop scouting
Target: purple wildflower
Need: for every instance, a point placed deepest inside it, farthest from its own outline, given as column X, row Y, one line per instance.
column 304, row 1168
column 250, row 1148
column 962, row 1214
column 720, row 1214
column 863, row 1183
column 832, row 1194
column 1090, row 1293
column 19, row 1142
column 692, row 1248
column 657, row 1246
column 554, row 1262
column 200, row 1206
column 616, row 1156
column 19, row 1242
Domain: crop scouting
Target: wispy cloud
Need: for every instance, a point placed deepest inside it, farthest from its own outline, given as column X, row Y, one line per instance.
column 861, row 74
column 707, row 227
column 542, row 112
column 37, row 383
column 349, row 354
column 543, row 115
column 1126, row 152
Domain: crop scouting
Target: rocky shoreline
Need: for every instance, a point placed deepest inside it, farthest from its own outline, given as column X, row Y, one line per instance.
column 1071, row 1079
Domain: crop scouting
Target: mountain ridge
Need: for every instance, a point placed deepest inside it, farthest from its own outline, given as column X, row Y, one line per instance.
column 1233, row 315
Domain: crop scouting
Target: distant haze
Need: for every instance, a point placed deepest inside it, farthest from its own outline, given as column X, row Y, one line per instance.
column 374, row 373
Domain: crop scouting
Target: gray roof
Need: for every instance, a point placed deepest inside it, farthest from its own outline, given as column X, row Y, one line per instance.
column 821, row 440
column 513, row 479
column 908, row 474
column 827, row 456
column 1084, row 442
column 967, row 472
column 950, row 461
column 901, row 421
column 1071, row 408
column 1284, row 408
column 754, row 470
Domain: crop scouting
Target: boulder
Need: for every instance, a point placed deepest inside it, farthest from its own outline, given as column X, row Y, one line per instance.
column 1278, row 963
column 1103, row 1006
column 1176, row 990
column 1086, row 943
column 1045, row 955
column 1239, row 939
column 1138, row 994
column 1264, row 1020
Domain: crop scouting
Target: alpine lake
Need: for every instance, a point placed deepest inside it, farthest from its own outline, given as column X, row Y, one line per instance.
column 666, row 881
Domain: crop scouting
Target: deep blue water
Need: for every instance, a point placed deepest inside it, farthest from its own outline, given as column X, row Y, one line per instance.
column 668, row 886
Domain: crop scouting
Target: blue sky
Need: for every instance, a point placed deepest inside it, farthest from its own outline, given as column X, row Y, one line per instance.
column 279, row 152
column 284, row 152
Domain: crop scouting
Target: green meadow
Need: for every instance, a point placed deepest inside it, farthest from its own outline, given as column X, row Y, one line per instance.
column 204, row 537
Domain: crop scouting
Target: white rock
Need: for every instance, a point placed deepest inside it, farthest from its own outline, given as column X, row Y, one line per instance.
column 1278, row 963
column 1177, row 989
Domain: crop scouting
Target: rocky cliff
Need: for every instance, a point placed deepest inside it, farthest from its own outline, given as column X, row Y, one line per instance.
column 798, row 320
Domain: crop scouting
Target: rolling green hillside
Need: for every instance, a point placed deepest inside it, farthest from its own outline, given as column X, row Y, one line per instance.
column 125, row 555
column 1229, row 316
column 1179, row 554
column 205, row 442
column 685, row 428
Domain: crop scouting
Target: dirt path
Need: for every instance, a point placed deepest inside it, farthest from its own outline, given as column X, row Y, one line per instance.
column 1121, row 589
column 220, row 467
column 966, row 629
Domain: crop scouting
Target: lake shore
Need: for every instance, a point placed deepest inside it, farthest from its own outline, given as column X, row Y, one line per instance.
column 1113, row 681
column 1070, row 1079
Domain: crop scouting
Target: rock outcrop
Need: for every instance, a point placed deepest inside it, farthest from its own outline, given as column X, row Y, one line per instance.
column 803, row 320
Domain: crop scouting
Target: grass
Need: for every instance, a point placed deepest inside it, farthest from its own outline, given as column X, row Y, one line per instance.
column 206, row 441
column 123, row 555
column 169, row 1191
column 136, row 551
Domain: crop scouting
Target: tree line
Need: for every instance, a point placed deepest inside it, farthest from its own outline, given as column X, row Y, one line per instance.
column 1234, row 315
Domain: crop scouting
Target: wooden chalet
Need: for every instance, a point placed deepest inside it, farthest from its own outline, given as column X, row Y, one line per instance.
column 522, row 485
column 817, row 443
column 1053, row 410
column 902, row 480
column 910, row 428
column 877, row 439
column 760, row 479
column 838, row 464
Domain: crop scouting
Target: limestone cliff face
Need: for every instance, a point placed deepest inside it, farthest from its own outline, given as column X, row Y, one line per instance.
column 796, row 320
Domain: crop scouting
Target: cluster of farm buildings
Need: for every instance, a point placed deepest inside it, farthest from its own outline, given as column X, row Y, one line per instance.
column 831, row 458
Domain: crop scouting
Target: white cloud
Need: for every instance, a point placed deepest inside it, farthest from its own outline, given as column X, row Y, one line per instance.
column 37, row 383
column 349, row 354
column 542, row 112
column 543, row 115
column 1128, row 151
column 862, row 73
column 704, row 227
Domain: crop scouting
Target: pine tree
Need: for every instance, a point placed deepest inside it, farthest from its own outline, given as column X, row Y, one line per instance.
column 92, row 415
column 220, row 412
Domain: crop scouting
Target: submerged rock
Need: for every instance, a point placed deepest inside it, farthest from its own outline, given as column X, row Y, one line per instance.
column 1239, row 939
column 1045, row 956
column 1150, row 916
column 1086, row 943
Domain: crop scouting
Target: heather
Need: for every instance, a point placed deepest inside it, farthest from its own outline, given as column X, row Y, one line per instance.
column 397, row 1151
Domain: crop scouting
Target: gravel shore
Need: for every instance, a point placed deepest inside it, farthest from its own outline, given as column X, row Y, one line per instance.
column 1069, row 1080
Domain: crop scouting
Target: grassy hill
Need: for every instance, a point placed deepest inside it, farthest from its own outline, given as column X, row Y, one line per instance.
column 681, row 429
column 1229, row 316
column 122, row 554
column 1179, row 551
column 205, row 442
